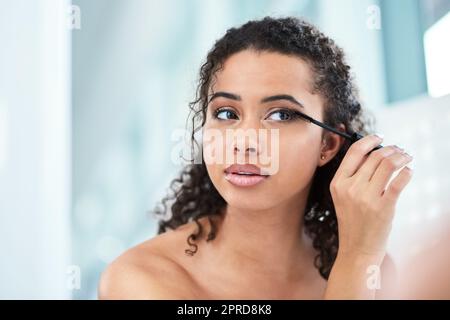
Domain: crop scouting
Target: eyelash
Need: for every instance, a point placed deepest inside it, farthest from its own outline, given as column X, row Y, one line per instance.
column 291, row 112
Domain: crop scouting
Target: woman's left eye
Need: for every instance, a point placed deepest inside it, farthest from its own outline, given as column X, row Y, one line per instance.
column 281, row 115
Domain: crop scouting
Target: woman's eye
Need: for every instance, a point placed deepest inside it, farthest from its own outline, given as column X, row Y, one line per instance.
column 281, row 115
column 225, row 114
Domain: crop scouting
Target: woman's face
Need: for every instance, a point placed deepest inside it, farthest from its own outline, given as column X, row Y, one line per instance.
column 243, row 128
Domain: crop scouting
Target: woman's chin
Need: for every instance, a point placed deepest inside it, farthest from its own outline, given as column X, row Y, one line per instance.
column 248, row 201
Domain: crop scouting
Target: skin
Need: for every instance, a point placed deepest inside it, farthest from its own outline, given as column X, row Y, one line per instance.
column 261, row 251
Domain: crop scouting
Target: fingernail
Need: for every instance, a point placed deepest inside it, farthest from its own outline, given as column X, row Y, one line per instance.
column 399, row 148
column 379, row 135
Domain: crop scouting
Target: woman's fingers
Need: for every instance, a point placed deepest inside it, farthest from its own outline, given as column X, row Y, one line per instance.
column 368, row 168
column 355, row 156
column 386, row 169
column 398, row 184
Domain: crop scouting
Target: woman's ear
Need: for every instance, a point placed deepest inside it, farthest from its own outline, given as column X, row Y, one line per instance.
column 331, row 144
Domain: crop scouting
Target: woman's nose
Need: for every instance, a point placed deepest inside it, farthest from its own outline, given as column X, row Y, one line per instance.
column 249, row 150
column 246, row 144
column 246, row 138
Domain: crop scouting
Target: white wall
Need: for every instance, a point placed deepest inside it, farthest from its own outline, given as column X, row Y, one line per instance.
column 421, row 126
column 34, row 149
column 356, row 27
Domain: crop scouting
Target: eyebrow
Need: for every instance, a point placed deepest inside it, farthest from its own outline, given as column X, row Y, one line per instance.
column 236, row 97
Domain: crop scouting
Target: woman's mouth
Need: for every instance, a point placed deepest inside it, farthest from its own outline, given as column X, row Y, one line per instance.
column 244, row 175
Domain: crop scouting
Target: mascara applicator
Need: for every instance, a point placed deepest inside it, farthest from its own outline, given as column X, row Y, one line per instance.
column 353, row 137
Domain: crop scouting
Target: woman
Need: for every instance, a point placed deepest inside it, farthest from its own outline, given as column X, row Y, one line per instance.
column 310, row 223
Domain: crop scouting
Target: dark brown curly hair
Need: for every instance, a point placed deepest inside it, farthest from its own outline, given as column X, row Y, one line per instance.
column 193, row 195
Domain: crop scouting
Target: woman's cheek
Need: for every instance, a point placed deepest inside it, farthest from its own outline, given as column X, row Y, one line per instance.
column 297, row 159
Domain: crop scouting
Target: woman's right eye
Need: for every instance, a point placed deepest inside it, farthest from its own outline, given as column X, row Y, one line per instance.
column 225, row 114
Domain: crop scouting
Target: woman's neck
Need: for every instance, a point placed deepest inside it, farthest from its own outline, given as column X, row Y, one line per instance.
column 268, row 243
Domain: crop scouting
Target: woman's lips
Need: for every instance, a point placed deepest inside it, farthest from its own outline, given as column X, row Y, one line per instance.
column 243, row 180
column 245, row 168
column 245, row 175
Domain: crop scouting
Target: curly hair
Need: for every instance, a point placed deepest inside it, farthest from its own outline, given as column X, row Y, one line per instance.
column 193, row 194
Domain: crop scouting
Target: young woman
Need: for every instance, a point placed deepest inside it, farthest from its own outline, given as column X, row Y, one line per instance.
column 314, row 227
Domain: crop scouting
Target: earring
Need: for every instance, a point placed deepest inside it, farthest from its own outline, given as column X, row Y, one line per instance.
column 322, row 157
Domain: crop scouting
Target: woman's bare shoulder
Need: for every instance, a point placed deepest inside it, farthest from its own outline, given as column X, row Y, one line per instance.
column 147, row 271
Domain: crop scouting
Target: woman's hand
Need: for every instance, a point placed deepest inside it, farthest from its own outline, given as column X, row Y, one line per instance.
column 365, row 206
column 364, row 202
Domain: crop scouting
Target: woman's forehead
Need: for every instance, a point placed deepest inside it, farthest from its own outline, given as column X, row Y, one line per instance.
column 265, row 71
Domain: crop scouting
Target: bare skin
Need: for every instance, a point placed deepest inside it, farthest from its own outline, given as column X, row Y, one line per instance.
column 159, row 269
column 261, row 251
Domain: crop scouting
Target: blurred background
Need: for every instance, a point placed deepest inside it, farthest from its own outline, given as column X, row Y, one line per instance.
column 92, row 93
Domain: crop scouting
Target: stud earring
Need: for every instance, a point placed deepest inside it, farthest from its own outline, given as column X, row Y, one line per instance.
column 322, row 157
